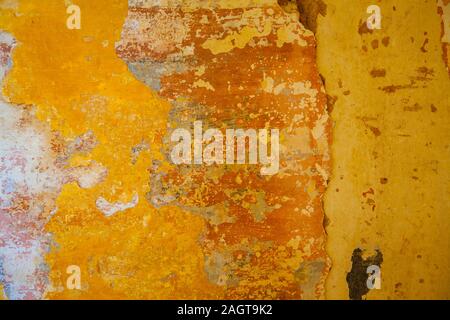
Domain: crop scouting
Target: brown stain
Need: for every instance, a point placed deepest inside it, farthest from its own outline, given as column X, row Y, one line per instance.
column 424, row 73
column 375, row 131
column 378, row 73
column 445, row 45
column 368, row 193
column 393, row 88
column 418, row 80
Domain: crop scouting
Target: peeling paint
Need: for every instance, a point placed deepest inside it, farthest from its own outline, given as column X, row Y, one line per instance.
column 358, row 275
column 242, row 209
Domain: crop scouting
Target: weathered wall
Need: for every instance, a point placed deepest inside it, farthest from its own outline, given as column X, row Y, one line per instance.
column 104, row 126
column 188, row 231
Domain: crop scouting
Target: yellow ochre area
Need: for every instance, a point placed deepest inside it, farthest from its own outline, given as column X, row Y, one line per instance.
column 82, row 85
column 391, row 175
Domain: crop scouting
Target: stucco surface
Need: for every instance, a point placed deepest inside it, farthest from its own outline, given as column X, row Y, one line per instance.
column 85, row 122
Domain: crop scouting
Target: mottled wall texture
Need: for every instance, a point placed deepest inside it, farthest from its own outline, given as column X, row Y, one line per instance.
column 351, row 124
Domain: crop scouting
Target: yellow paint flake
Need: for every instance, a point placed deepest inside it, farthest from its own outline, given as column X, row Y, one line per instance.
column 236, row 40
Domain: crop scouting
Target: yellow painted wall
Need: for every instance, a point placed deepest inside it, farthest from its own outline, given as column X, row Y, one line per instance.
column 394, row 143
